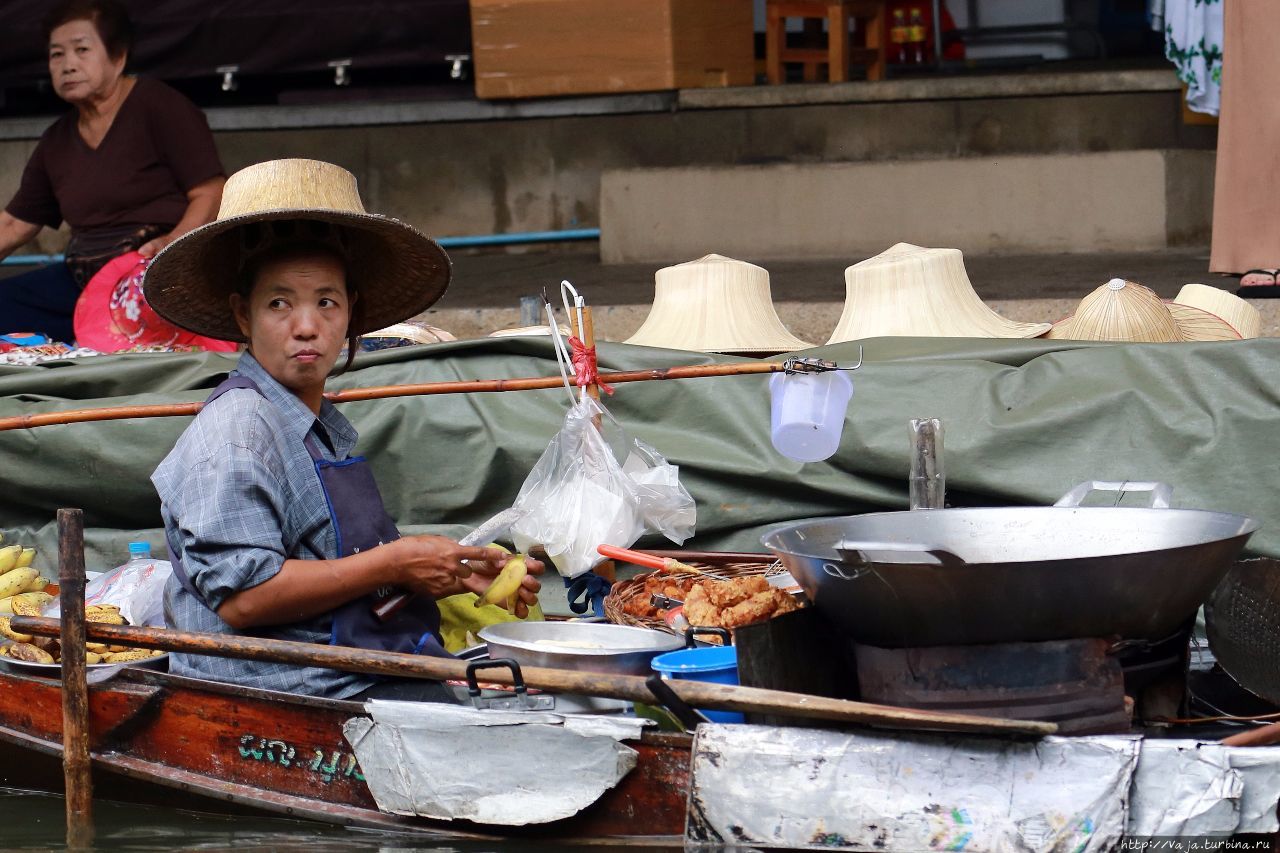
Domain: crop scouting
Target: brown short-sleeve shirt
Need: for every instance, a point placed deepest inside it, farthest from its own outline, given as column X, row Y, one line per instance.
column 158, row 147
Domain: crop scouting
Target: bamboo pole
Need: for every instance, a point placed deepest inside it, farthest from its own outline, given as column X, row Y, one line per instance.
column 380, row 392
column 627, row 687
column 75, row 686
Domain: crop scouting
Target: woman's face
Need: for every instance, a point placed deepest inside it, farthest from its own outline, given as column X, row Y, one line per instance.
column 296, row 319
column 79, row 65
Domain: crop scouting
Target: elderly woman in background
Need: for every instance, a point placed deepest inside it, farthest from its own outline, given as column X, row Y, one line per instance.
column 133, row 166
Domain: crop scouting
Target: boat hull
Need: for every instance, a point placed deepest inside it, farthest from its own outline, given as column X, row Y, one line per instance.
column 225, row 747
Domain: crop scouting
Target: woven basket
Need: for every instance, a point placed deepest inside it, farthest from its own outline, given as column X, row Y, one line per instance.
column 629, row 590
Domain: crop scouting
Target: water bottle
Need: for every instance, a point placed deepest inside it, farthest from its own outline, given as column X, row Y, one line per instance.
column 139, row 551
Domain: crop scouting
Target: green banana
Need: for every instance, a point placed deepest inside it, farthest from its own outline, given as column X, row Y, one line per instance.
column 506, row 584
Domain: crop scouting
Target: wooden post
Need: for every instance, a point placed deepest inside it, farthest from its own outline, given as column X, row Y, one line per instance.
column 75, row 686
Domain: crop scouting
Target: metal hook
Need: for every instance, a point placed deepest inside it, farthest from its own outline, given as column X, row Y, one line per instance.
column 817, row 365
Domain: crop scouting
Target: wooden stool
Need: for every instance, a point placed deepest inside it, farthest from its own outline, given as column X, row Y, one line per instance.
column 838, row 55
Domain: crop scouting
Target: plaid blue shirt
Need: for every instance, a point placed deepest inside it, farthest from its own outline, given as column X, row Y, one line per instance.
column 239, row 495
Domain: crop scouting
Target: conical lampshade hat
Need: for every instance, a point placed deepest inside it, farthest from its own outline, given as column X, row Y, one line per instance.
column 1125, row 311
column 913, row 291
column 1242, row 316
column 715, row 304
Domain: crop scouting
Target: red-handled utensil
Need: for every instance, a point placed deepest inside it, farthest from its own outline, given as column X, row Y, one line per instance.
column 639, row 558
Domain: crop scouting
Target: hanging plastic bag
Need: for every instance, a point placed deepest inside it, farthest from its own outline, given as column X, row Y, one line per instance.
column 598, row 486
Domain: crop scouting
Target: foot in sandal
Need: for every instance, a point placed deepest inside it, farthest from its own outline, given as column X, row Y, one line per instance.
column 1254, row 278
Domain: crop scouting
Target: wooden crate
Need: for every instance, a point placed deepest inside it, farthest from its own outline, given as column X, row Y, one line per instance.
column 539, row 48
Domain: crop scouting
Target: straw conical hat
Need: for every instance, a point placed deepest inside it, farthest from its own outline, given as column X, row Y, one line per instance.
column 1242, row 316
column 397, row 271
column 912, row 291
column 715, row 304
column 1125, row 311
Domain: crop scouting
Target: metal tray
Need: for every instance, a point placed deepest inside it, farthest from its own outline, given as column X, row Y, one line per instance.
column 54, row 670
column 604, row 648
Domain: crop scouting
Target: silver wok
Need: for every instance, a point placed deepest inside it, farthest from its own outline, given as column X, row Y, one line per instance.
column 970, row 576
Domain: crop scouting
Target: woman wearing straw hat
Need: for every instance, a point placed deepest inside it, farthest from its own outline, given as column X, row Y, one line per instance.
column 272, row 525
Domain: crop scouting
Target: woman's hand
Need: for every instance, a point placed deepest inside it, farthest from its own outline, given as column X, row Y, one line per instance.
column 151, row 248
column 484, row 574
column 434, row 565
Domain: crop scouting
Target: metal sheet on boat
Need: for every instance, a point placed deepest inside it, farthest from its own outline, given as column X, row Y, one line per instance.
column 811, row 789
column 491, row 767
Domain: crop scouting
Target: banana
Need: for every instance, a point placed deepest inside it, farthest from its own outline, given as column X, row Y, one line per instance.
column 9, row 557
column 27, row 605
column 16, row 580
column 92, row 657
column 28, row 652
column 104, row 617
column 506, row 584
column 38, row 584
column 95, row 648
column 25, row 558
column 12, row 634
column 102, row 608
column 125, row 657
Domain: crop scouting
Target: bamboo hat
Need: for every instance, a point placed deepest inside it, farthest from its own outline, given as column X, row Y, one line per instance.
column 1125, row 311
column 1242, row 316
column 916, row 292
column 397, row 270
column 715, row 304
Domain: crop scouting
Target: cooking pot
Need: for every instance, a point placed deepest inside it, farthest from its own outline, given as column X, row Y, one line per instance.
column 968, row 576
column 580, row 646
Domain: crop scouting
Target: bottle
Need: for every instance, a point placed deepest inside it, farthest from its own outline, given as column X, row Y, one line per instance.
column 916, row 35
column 898, row 35
column 139, row 551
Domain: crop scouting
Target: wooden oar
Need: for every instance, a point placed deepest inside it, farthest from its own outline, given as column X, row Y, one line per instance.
column 466, row 386
column 631, row 688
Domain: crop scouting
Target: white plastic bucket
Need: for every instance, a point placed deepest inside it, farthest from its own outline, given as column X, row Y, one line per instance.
column 808, row 413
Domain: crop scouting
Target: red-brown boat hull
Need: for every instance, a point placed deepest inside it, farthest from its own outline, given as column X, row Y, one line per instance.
column 231, row 746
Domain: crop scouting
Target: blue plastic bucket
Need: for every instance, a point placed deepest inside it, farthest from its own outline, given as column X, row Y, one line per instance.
column 705, row 663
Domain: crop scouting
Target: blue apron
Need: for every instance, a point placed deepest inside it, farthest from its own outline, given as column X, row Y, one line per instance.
column 360, row 522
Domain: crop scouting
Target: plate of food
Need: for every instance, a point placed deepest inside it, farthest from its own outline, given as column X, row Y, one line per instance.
column 43, row 655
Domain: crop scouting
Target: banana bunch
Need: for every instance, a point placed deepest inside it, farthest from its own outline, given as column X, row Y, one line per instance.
column 16, row 574
column 26, row 647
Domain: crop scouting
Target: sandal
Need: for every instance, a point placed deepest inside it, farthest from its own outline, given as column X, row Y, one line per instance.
column 1268, row 288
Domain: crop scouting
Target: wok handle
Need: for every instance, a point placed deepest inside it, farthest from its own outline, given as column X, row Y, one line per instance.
column 856, row 552
column 1161, row 493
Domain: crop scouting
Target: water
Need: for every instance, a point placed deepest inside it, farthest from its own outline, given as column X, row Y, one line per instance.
column 37, row 821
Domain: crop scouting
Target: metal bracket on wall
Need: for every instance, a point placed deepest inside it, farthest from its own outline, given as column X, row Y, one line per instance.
column 340, row 75
column 229, row 81
column 458, row 66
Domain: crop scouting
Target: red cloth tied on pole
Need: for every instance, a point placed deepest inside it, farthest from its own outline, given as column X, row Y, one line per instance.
column 585, row 370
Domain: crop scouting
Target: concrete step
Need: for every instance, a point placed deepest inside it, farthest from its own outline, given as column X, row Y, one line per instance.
column 1112, row 201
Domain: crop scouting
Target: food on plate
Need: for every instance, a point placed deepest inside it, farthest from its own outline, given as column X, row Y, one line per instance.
column 29, row 653
column 48, row 650
column 583, row 645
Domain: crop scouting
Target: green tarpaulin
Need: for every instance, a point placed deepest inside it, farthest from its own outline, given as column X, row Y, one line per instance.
column 1024, row 421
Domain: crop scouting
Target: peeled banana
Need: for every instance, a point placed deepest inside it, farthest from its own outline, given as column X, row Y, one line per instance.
column 7, row 631
column 505, row 586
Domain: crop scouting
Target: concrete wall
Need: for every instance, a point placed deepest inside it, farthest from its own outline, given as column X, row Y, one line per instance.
column 477, row 177
column 1114, row 201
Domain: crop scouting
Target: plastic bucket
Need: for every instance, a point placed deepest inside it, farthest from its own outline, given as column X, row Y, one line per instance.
column 807, row 413
column 718, row 664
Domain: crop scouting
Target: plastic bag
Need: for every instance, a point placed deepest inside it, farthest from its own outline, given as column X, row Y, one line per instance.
column 137, row 588
column 580, row 495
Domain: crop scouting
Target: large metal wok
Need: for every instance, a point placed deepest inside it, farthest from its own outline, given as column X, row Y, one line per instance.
column 968, row 576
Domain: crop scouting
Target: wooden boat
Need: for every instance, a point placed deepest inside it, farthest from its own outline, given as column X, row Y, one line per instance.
column 156, row 737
